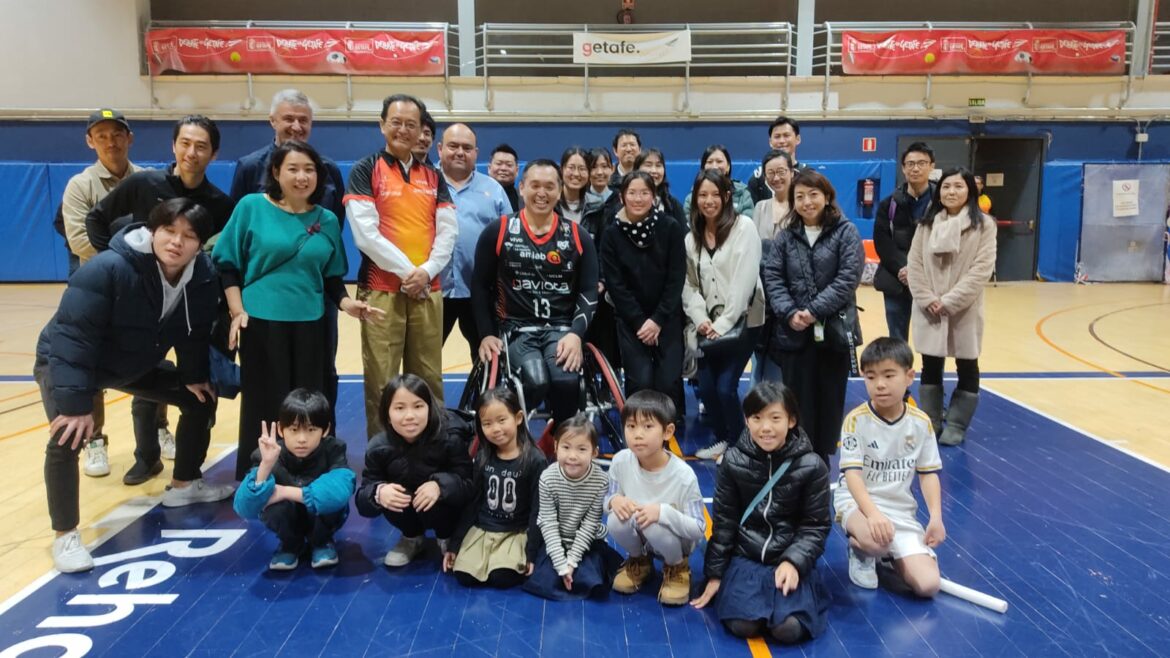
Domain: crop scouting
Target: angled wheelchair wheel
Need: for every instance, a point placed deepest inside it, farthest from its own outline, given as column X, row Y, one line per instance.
column 603, row 397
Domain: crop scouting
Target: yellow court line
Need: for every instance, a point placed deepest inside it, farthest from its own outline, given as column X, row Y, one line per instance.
column 1040, row 333
column 21, row 395
column 759, row 648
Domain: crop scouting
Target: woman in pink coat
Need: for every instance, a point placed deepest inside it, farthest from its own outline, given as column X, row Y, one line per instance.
column 951, row 258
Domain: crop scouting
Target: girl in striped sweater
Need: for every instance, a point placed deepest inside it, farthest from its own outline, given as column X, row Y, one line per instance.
column 573, row 561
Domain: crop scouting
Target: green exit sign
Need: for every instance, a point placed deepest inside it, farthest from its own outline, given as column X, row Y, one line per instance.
column 976, row 102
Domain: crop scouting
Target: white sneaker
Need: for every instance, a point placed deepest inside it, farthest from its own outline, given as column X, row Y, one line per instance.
column 713, row 451
column 862, row 570
column 198, row 491
column 69, row 555
column 404, row 551
column 166, row 443
column 97, row 457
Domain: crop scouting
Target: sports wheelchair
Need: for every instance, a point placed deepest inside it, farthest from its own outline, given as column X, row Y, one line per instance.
column 600, row 395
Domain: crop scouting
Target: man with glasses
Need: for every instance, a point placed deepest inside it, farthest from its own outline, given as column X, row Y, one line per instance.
column 893, row 229
column 784, row 135
column 479, row 201
column 403, row 222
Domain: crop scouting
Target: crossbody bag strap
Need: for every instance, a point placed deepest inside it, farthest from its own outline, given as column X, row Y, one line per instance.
column 766, row 488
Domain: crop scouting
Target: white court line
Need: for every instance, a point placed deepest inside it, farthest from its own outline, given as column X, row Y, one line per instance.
column 115, row 522
column 1112, row 444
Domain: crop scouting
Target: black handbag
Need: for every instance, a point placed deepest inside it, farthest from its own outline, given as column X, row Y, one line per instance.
column 716, row 347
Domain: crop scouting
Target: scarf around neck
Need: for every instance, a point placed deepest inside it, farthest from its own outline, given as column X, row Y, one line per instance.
column 639, row 233
column 946, row 232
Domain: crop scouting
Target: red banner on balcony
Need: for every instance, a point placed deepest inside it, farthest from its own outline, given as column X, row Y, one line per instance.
column 293, row 52
column 919, row 52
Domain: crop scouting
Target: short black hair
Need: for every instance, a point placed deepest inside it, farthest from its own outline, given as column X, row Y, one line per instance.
column 634, row 175
column 707, row 152
column 917, row 147
column 783, row 121
column 772, row 154
column 887, row 348
column 428, row 121
column 622, row 133
column 167, row 212
column 649, row 404
column 204, row 123
column 540, row 162
column 403, row 98
column 418, row 387
column 276, row 161
column 504, row 148
column 578, row 424
column 768, row 393
column 303, row 406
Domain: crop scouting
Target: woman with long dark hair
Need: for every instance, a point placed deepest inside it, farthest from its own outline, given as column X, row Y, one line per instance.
column 653, row 162
column 810, row 280
column 717, row 157
column 951, row 258
column 575, row 166
column 722, row 298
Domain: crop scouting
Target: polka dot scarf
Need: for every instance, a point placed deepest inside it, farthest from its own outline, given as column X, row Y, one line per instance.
column 640, row 233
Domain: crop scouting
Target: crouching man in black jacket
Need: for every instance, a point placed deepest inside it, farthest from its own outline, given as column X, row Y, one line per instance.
column 121, row 314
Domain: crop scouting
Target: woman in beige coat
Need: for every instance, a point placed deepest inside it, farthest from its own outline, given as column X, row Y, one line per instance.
column 951, row 258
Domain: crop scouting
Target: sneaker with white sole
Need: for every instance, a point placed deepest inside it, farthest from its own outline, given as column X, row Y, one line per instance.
column 404, row 551
column 862, row 569
column 70, row 555
column 97, row 457
column 713, row 451
column 324, row 556
column 198, row 491
column 166, row 443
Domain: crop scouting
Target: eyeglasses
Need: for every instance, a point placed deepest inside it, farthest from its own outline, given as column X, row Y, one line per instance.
column 398, row 124
column 777, row 173
column 577, row 169
column 916, row 164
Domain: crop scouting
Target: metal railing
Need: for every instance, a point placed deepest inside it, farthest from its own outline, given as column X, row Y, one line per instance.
column 717, row 49
column 450, row 35
column 827, row 56
column 1160, row 49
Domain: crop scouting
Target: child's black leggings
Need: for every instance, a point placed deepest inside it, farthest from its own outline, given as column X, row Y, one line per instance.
column 788, row 631
column 498, row 578
column 932, row 372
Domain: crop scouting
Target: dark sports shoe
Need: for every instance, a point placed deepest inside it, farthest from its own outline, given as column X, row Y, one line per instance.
column 141, row 472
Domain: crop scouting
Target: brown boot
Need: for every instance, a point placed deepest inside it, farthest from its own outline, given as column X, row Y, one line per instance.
column 676, row 584
column 633, row 572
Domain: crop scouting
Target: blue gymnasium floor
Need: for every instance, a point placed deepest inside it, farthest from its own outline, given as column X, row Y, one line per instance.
column 1072, row 533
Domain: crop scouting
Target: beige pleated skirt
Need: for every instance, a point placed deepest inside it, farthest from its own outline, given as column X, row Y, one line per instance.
column 483, row 552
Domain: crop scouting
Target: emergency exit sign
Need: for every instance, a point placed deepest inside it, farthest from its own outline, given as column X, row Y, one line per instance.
column 868, row 144
column 976, row 102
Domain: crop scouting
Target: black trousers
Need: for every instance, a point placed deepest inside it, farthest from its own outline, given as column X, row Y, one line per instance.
column 275, row 358
column 161, row 385
column 441, row 518
column 968, row 370
column 538, row 349
column 294, row 525
column 654, row 367
column 818, row 375
column 459, row 309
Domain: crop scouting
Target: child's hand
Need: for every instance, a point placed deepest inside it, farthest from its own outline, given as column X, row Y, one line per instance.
column 880, row 529
column 279, row 494
column 935, row 532
column 708, row 594
column 567, row 579
column 647, row 515
column 529, row 569
column 269, row 448
column 426, row 496
column 787, row 578
column 393, row 497
column 623, row 507
column 448, row 561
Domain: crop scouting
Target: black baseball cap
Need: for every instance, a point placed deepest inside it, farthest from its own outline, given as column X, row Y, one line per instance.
column 106, row 114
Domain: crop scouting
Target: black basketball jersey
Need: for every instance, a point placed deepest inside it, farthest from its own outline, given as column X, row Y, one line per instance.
column 537, row 275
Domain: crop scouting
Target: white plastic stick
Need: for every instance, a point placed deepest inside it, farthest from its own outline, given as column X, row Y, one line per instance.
column 973, row 596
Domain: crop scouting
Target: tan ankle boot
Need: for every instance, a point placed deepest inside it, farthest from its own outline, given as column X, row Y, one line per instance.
column 633, row 572
column 676, row 584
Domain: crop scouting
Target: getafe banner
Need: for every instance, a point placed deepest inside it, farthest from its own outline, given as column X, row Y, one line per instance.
column 919, row 52
column 647, row 48
column 309, row 52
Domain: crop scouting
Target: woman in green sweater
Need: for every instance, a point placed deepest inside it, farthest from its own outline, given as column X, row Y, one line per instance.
column 281, row 259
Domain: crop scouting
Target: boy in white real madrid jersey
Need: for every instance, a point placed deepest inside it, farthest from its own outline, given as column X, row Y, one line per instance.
column 884, row 442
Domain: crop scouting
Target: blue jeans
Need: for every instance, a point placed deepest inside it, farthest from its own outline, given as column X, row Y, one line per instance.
column 719, row 387
column 898, row 315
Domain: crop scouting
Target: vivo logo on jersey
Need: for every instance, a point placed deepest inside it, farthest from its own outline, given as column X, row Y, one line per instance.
column 122, row 589
column 540, row 286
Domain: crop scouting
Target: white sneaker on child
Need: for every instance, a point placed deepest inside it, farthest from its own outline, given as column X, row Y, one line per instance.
column 166, row 443
column 404, row 551
column 69, row 555
column 97, row 457
column 862, row 569
column 198, row 491
column 712, row 451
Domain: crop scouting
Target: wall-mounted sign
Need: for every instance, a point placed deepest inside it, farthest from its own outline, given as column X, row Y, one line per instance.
column 624, row 48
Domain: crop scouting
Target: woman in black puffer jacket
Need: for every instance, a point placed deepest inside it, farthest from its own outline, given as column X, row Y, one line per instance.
column 761, row 558
column 418, row 471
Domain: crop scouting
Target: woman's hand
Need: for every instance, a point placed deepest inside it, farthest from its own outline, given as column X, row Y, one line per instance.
column 937, row 310
column 706, row 330
column 426, row 496
column 239, row 323
column 361, row 310
column 649, row 331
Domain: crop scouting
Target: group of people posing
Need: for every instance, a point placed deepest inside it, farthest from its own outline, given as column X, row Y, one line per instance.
column 763, row 271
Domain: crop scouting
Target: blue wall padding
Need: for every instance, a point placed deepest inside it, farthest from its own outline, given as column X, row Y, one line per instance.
column 1060, row 220
column 30, row 249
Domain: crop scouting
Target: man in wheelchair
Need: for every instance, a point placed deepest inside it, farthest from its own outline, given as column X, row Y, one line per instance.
column 535, row 283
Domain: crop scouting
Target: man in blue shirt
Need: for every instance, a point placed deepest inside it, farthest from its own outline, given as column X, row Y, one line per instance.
column 479, row 200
